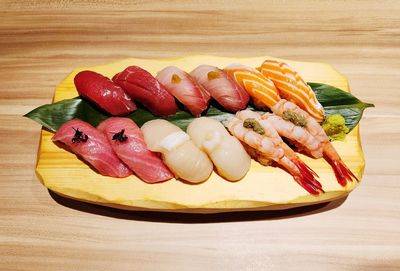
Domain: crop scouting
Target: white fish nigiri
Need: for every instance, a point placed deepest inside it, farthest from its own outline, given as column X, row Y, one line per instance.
column 226, row 152
column 179, row 152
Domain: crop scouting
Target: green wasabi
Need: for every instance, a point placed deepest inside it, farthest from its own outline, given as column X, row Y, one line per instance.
column 295, row 118
column 254, row 125
column 335, row 127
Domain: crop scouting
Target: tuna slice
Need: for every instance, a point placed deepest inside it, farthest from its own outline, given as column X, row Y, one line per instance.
column 90, row 144
column 103, row 92
column 183, row 87
column 221, row 87
column 127, row 141
column 141, row 86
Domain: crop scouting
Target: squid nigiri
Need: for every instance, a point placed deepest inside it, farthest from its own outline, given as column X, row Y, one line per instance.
column 225, row 151
column 103, row 92
column 221, row 87
column 127, row 140
column 141, row 86
column 261, row 89
column 179, row 152
column 183, row 87
column 292, row 87
column 89, row 143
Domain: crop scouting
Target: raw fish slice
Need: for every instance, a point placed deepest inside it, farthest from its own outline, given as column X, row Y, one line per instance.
column 221, row 87
column 261, row 89
column 226, row 152
column 103, row 92
column 179, row 152
column 141, row 86
column 292, row 87
column 127, row 141
column 183, row 87
column 90, row 144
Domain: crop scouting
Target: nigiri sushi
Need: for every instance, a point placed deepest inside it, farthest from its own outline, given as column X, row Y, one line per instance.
column 292, row 87
column 221, row 87
column 179, row 152
column 127, row 140
column 261, row 89
column 183, row 87
column 141, row 86
column 103, row 92
column 226, row 152
column 91, row 144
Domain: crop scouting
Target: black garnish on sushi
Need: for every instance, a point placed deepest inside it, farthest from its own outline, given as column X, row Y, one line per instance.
column 120, row 136
column 79, row 136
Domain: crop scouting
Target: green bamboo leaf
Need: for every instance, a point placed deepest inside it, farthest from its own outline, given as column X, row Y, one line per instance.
column 52, row 116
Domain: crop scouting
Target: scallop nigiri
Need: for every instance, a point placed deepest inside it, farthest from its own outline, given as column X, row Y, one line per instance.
column 226, row 152
column 127, row 140
column 261, row 89
column 221, row 87
column 91, row 144
column 103, row 92
column 292, row 87
column 141, row 86
column 183, row 87
column 179, row 152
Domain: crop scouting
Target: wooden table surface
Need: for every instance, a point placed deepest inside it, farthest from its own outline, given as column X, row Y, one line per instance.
column 42, row 41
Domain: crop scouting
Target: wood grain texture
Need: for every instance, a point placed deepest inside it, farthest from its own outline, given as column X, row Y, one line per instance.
column 42, row 41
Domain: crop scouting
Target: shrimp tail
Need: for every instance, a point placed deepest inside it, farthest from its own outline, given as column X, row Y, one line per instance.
column 307, row 178
column 342, row 172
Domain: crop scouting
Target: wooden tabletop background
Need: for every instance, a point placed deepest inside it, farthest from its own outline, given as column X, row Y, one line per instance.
column 42, row 41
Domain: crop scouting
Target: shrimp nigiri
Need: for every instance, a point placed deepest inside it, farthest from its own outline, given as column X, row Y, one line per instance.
column 221, row 87
column 127, row 140
column 265, row 144
column 179, row 152
column 261, row 89
column 226, row 152
column 89, row 143
column 292, row 87
column 342, row 172
column 140, row 85
column 103, row 92
column 183, row 87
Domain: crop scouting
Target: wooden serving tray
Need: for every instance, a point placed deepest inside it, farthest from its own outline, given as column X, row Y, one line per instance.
column 263, row 188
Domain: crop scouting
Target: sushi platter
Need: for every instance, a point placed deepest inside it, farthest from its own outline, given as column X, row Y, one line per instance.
column 182, row 171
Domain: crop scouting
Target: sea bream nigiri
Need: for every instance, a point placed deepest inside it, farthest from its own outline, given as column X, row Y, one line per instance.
column 183, row 87
column 179, row 152
column 127, row 140
column 89, row 143
column 141, row 86
column 103, row 92
column 292, row 87
column 226, row 151
column 221, row 87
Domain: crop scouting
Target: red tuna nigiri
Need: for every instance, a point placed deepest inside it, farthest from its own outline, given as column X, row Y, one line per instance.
column 91, row 144
column 127, row 141
column 181, row 85
column 103, row 92
column 141, row 86
column 221, row 87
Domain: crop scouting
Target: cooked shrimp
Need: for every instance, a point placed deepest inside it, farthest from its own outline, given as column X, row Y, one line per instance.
column 261, row 89
column 269, row 146
column 292, row 87
column 342, row 172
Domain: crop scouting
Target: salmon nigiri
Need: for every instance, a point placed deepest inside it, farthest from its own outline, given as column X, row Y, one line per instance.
column 141, row 86
column 221, row 87
column 103, row 92
column 292, row 87
column 183, row 87
column 127, row 141
column 89, row 143
column 261, row 89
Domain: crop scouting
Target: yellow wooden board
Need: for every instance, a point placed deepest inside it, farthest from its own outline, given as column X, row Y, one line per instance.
column 263, row 188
